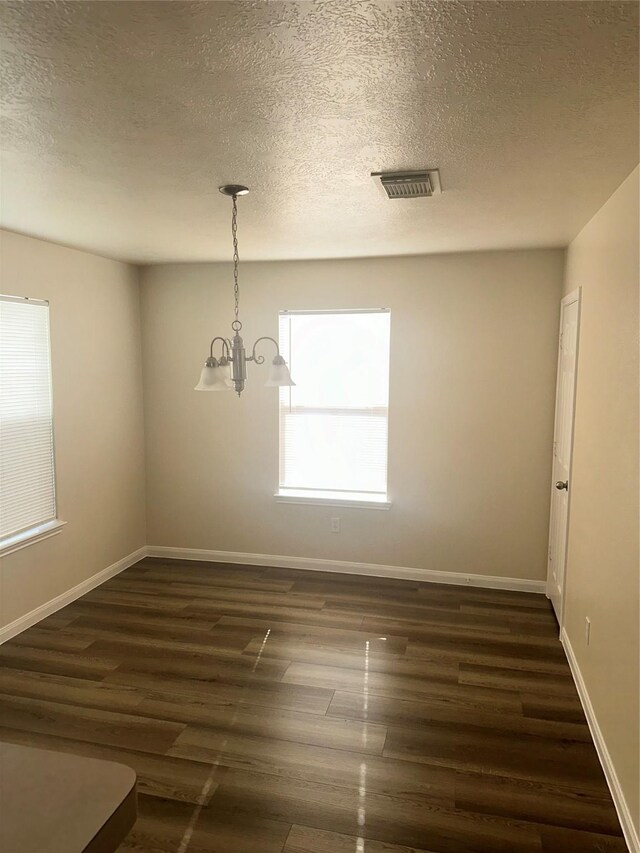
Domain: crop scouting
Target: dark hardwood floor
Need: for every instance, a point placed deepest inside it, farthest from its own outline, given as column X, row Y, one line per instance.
column 269, row 710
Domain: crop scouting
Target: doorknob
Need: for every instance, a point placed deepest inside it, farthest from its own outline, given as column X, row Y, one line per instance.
column 562, row 484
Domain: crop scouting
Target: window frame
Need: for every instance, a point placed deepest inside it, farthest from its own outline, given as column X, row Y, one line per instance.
column 332, row 497
column 47, row 527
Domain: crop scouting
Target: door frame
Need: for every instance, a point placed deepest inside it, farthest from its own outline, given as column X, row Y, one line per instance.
column 570, row 298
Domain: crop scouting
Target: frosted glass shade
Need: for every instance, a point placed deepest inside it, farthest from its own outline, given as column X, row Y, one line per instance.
column 213, row 378
column 279, row 375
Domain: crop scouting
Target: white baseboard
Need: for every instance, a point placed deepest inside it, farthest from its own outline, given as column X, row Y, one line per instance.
column 34, row 616
column 629, row 830
column 308, row 563
column 342, row 566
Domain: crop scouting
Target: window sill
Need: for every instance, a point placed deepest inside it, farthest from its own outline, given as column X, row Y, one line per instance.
column 28, row 537
column 329, row 499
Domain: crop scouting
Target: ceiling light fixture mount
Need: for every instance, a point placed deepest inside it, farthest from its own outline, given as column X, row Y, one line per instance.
column 230, row 370
column 234, row 189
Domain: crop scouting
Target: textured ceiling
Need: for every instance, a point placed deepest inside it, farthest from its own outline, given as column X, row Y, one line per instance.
column 120, row 119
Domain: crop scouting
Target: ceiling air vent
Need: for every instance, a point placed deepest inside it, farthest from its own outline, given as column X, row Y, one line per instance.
column 409, row 184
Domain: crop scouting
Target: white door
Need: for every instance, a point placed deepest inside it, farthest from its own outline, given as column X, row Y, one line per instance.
column 562, row 447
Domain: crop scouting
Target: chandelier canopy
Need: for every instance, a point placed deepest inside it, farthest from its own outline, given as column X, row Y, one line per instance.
column 230, row 370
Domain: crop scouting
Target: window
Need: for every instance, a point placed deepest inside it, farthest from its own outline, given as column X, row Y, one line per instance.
column 333, row 422
column 27, row 484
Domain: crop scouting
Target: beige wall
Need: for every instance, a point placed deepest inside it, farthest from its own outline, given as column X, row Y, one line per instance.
column 99, row 438
column 473, row 356
column 603, row 566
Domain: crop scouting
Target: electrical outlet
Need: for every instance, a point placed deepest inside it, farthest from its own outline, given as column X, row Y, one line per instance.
column 587, row 630
column 335, row 525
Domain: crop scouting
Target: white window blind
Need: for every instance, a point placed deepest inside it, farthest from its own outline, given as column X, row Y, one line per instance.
column 333, row 422
column 27, row 485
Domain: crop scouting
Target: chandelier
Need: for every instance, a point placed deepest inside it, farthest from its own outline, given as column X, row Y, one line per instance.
column 230, row 370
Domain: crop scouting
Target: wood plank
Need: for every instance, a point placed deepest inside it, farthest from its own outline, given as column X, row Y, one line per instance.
column 202, row 581
column 437, row 711
column 305, row 839
column 134, row 611
column 60, row 619
column 174, row 591
column 563, row 708
column 435, row 683
column 503, row 647
column 151, row 624
column 503, row 598
column 53, row 639
column 371, row 816
column 557, row 839
column 218, row 638
column 233, row 669
column 20, row 656
column 290, row 649
column 570, row 764
column 213, row 647
column 418, row 629
column 345, row 581
column 537, row 802
column 359, row 597
column 274, row 613
column 524, row 613
column 164, row 826
column 79, row 692
column 538, row 654
column 159, row 603
column 516, row 679
column 244, row 719
column 301, row 762
column 269, row 695
column 549, row 630
column 348, row 638
column 88, row 724
column 425, row 615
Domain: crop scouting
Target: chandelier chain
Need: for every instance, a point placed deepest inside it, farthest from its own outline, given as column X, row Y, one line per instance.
column 236, row 260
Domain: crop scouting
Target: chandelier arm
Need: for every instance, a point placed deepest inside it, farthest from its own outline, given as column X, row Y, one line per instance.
column 259, row 359
column 225, row 347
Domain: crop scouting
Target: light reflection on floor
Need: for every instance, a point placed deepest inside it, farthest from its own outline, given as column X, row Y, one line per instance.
column 264, row 643
column 362, row 786
column 202, row 799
